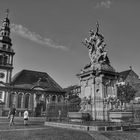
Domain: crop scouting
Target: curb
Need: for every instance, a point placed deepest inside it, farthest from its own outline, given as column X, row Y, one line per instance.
column 92, row 128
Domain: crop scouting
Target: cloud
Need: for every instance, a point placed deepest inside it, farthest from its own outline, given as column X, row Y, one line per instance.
column 104, row 3
column 32, row 36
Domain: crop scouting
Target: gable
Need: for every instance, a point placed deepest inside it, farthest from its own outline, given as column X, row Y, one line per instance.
column 132, row 77
column 129, row 76
column 29, row 79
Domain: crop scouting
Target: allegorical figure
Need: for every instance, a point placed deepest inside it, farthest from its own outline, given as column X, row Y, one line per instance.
column 96, row 47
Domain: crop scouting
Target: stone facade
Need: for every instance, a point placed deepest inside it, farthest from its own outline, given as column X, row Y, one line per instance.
column 96, row 88
column 72, row 91
column 32, row 90
column 27, row 89
column 129, row 76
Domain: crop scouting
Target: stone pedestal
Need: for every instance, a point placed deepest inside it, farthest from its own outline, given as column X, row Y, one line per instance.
column 78, row 116
column 96, row 85
column 119, row 116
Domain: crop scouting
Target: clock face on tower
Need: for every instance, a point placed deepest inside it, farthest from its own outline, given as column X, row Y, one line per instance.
column 3, row 75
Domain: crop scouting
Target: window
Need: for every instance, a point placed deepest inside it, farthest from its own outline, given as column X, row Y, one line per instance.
column 53, row 98
column 4, row 46
column 20, row 96
column 9, row 47
column 27, row 97
column 12, row 99
column 1, row 94
column 1, row 58
column 5, row 59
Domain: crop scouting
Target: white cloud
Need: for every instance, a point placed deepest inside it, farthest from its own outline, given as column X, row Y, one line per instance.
column 104, row 3
column 26, row 33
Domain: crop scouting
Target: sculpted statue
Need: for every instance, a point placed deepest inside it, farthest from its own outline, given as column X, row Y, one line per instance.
column 85, row 104
column 96, row 47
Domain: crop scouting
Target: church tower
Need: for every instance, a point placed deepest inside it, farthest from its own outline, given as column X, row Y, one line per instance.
column 6, row 51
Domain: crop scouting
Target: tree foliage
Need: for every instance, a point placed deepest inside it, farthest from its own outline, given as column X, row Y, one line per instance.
column 125, row 93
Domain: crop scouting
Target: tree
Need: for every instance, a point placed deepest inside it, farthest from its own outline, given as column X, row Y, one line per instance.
column 125, row 93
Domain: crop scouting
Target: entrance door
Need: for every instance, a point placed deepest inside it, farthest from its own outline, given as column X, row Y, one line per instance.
column 39, row 108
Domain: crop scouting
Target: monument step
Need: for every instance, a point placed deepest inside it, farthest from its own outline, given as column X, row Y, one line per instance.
column 93, row 128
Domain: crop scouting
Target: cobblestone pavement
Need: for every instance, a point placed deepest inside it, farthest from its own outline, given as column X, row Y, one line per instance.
column 36, row 125
column 98, row 136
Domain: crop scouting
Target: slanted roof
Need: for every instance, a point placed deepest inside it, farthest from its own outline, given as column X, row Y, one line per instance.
column 30, row 79
column 124, row 74
column 71, row 87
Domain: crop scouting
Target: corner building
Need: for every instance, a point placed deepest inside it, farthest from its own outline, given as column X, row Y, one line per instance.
column 27, row 89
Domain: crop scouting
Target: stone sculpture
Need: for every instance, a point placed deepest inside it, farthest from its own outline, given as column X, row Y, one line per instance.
column 96, row 47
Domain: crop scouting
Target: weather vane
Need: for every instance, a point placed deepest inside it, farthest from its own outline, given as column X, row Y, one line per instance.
column 7, row 12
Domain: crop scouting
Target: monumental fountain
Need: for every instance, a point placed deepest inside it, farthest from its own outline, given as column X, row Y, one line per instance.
column 97, row 79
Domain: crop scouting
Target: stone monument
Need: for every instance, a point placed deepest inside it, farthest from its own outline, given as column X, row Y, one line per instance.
column 97, row 79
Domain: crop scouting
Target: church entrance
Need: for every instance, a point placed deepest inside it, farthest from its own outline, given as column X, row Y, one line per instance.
column 40, row 108
column 40, row 105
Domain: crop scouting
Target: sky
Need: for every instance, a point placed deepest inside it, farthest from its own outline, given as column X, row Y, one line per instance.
column 47, row 35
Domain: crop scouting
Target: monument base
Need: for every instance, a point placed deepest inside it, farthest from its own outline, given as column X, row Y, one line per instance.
column 120, row 116
column 96, row 85
column 78, row 116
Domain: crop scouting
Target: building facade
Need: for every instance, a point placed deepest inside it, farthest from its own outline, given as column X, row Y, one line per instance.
column 130, row 77
column 27, row 89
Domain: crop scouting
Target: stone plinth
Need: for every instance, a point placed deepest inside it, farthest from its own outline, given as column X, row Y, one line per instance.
column 78, row 116
column 120, row 116
column 95, row 87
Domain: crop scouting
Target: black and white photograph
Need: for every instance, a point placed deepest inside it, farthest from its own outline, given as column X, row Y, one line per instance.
column 69, row 69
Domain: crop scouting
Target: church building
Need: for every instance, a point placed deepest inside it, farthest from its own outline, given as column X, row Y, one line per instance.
column 27, row 89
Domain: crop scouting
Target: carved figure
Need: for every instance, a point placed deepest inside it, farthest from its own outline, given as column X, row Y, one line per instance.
column 96, row 47
column 85, row 104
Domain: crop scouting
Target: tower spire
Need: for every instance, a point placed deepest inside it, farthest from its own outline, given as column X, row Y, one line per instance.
column 7, row 12
column 6, row 51
column 5, row 29
column 97, row 27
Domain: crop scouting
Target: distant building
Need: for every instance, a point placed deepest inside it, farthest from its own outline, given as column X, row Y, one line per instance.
column 130, row 77
column 27, row 89
column 72, row 91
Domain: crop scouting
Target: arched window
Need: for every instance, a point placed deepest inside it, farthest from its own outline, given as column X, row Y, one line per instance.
column 1, row 58
column 5, row 59
column 53, row 98
column 20, row 96
column 12, row 99
column 59, row 98
column 27, row 98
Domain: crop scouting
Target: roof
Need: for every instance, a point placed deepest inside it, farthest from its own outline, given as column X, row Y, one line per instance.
column 124, row 74
column 32, row 79
column 71, row 87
